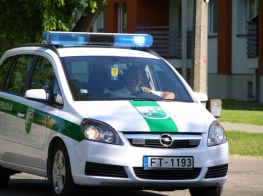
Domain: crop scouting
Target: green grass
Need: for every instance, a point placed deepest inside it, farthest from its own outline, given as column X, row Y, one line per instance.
column 242, row 112
column 243, row 143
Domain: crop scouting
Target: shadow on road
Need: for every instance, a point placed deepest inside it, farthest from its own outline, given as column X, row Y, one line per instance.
column 32, row 187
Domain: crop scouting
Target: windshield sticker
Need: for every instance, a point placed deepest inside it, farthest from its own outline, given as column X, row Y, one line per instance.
column 6, row 106
column 155, row 116
column 114, row 72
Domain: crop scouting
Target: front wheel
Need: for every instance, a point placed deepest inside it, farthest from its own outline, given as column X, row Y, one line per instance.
column 61, row 178
column 4, row 176
column 206, row 191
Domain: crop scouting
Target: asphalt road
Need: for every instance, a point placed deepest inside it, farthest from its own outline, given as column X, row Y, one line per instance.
column 245, row 178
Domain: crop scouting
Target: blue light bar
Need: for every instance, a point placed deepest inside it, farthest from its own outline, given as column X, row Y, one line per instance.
column 133, row 40
column 115, row 40
column 64, row 38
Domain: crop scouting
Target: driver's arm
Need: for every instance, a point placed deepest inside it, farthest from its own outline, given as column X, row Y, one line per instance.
column 145, row 89
column 167, row 95
column 164, row 95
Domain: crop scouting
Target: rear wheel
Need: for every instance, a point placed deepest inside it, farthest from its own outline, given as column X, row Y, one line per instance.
column 4, row 176
column 207, row 191
column 61, row 177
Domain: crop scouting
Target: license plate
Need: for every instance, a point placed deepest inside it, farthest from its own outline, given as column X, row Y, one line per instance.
column 168, row 163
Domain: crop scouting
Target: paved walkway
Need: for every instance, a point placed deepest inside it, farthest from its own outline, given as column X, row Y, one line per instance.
column 242, row 127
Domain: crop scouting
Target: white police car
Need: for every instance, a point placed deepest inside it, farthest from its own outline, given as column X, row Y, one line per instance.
column 110, row 113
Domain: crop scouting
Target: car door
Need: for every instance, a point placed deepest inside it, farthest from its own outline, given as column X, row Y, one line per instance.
column 27, row 131
column 37, row 114
column 12, row 111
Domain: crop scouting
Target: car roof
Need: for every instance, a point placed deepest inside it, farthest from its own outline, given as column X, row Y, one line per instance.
column 71, row 51
column 103, row 51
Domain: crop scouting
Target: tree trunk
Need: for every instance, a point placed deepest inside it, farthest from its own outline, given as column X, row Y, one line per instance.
column 85, row 23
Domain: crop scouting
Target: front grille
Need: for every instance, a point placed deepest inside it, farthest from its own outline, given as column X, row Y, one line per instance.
column 167, row 174
column 98, row 169
column 155, row 143
column 217, row 171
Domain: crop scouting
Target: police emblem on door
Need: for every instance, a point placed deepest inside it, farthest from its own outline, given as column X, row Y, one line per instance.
column 29, row 119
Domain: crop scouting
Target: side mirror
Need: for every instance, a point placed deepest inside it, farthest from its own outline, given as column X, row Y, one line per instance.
column 202, row 97
column 36, row 95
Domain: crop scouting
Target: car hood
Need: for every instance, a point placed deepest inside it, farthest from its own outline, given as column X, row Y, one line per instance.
column 150, row 116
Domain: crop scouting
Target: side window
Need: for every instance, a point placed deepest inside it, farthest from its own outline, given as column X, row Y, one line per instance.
column 43, row 75
column 44, row 78
column 3, row 69
column 17, row 79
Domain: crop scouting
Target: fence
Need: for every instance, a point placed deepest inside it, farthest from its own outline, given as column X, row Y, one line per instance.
column 167, row 41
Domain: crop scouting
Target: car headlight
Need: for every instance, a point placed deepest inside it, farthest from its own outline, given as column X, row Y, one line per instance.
column 216, row 134
column 100, row 132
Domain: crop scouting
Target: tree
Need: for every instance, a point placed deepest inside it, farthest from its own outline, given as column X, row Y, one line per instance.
column 23, row 21
column 88, row 18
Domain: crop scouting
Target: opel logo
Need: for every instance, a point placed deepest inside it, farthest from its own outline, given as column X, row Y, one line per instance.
column 166, row 140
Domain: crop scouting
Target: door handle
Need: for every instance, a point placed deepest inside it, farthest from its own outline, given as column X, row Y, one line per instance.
column 20, row 115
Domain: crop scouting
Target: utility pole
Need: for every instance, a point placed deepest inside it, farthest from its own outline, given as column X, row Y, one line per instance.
column 199, row 47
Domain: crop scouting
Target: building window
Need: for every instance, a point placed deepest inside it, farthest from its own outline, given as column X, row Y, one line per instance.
column 251, row 9
column 212, row 16
column 98, row 25
column 246, row 10
column 122, row 18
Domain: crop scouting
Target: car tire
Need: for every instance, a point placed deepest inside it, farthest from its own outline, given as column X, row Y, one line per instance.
column 206, row 191
column 61, row 177
column 4, row 176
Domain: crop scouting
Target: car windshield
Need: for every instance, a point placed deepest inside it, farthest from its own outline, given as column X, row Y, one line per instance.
column 122, row 78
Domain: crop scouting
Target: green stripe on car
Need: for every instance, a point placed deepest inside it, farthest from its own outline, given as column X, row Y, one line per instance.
column 32, row 115
column 155, row 116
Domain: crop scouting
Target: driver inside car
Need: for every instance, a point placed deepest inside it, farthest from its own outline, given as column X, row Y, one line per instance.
column 133, row 80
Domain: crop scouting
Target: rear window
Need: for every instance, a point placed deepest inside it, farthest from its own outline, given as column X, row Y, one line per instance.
column 3, row 70
column 18, row 75
column 115, row 78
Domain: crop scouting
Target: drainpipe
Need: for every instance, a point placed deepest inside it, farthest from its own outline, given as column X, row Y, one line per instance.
column 184, row 39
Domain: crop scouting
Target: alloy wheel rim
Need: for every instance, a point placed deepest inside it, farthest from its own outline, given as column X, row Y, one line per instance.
column 59, row 172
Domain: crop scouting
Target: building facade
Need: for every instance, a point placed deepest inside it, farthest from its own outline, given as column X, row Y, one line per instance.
column 235, row 44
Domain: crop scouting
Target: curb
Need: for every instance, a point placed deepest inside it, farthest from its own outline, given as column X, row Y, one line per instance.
column 242, row 127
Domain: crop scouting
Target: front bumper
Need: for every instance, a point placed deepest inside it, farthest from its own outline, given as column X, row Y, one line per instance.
column 130, row 158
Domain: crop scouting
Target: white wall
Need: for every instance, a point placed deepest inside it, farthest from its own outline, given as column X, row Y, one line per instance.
column 233, row 86
column 217, row 86
column 212, row 55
